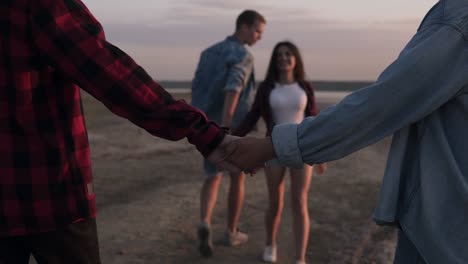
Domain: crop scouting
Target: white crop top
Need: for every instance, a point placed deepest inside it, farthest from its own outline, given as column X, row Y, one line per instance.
column 288, row 103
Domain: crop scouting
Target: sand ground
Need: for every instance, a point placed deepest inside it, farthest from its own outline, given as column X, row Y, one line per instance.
column 148, row 200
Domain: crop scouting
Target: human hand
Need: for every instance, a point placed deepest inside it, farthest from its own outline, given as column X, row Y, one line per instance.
column 250, row 153
column 321, row 168
column 221, row 153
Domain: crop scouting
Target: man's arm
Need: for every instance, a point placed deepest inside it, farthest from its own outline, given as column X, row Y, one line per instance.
column 429, row 72
column 230, row 103
column 421, row 80
column 237, row 79
column 252, row 116
column 72, row 40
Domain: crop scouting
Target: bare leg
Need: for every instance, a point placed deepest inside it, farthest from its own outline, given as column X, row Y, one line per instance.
column 208, row 197
column 275, row 183
column 300, row 183
column 235, row 200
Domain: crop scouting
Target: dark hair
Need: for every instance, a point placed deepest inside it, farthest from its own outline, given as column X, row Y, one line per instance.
column 272, row 71
column 249, row 17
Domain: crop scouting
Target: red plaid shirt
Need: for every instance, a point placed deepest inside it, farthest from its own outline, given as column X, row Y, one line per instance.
column 47, row 49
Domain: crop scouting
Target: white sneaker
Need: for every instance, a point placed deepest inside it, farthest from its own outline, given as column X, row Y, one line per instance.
column 236, row 238
column 269, row 254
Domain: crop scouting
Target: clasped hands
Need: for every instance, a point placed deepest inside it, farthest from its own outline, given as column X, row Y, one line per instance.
column 247, row 154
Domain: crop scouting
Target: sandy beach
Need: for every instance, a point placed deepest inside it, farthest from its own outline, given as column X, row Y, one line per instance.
column 148, row 190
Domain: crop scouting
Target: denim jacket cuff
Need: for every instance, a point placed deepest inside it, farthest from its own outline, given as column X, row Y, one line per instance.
column 284, row 138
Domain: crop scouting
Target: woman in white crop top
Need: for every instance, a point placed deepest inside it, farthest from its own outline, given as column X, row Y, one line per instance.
column 284, row 97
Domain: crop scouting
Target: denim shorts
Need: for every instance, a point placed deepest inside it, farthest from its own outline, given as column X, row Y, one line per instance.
column 209, row 169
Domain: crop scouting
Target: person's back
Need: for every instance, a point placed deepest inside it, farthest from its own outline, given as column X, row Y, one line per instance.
column 220, row 66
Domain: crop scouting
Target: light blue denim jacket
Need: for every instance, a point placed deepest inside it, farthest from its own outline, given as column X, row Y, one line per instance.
column 422, row 99
column 225, row 66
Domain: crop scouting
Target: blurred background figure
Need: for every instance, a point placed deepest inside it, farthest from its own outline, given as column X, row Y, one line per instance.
column 223, row 86
column 284, row 97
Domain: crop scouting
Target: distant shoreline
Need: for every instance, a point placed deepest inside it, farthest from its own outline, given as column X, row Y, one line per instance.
column 341, row 86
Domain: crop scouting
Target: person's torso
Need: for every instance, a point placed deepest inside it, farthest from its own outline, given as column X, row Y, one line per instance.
column 288, row 103
column 43, row 140
column 425, row 187
column 212, row 74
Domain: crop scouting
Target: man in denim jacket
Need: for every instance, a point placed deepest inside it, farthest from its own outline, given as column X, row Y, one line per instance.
column 422, row 100
column 223, row 86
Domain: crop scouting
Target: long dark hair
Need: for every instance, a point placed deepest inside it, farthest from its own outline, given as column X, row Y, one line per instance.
column 272, row 74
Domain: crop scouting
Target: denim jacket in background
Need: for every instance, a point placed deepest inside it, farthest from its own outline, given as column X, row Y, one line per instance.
column 225, row 66
column 422, row 100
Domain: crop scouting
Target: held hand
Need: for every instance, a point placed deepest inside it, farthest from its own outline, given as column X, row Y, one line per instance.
column 249, row 153
column 220, row 155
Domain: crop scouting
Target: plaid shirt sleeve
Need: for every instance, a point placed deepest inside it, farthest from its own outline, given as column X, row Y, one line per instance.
column 73, row 41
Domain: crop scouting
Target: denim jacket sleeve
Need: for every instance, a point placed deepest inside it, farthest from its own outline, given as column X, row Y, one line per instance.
column 430, row 71
column 239, row 72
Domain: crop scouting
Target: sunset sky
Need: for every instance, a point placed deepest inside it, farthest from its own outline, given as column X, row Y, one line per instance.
column 339, row 39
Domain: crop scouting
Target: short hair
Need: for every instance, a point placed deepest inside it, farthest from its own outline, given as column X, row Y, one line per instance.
column 249, row 17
